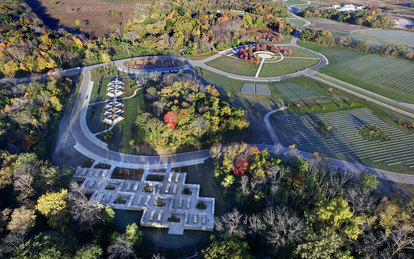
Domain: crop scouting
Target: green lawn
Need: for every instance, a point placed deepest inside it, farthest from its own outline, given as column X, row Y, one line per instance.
column 296, row 22
column 298, row 52
column 286, row 66
column 126, row 130
column 390, row 77
column 234, row 65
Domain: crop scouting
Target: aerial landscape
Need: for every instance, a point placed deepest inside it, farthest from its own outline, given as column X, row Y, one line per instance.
column 206, row 129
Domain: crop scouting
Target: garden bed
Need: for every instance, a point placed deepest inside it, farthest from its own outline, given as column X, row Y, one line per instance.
column 102, row 166
column 155, row 178
column 127, row 174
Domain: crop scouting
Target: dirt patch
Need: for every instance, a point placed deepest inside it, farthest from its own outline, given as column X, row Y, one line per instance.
column 155, row 178
column 94, row 15
column 150, row 63
column 127, row 174
column 336, row 27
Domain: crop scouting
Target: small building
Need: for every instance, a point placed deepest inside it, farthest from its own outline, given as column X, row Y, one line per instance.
column 348, row 7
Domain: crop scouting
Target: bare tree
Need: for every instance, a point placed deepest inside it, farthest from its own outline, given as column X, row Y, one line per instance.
column 231, row 223
column 200, row 124
column 255, row 225
column 85, row 214
column 285, row 227
column 121, row 249
column 10, row 243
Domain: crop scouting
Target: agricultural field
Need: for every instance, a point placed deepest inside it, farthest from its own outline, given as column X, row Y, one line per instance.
column 344, row 140
column 390, row 36
column 390, row 77
column 95, row 15
column 380, row 37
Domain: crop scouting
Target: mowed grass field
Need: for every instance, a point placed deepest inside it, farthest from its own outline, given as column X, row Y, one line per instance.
column 289, row 65
column 390, row 77
column 286, row 66
column 234, row 65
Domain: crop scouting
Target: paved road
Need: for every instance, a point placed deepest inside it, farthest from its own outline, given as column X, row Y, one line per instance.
column 368, row 99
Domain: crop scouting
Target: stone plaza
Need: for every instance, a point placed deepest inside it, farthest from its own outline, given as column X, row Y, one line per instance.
column 167, row 202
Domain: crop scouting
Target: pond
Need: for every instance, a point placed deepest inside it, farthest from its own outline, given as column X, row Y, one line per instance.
column 191, row 240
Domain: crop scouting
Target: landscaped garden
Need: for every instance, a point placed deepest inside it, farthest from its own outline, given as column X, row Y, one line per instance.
column 183, row 112
column 276, row 61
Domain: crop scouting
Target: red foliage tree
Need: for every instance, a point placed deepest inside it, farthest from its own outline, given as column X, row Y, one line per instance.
column 170, row 120
column 241, row 166
column 289, row 52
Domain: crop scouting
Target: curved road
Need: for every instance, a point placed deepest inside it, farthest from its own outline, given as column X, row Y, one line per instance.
column 90, row 146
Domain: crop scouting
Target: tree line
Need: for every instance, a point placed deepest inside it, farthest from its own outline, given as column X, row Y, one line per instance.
column 325, row 38
column 188, row 27
column 367, row 17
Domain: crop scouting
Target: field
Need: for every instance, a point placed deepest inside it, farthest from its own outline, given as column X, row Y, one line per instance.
column 234, row 66
column 324, row 24
column 390, row 77
column 294, row 92
column 286, row 67
column 290, row 64
column 97, row 23
column 296, row 22
column 390, row 36
column 345, row 142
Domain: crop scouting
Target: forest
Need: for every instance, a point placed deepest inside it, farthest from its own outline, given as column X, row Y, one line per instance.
column 292, row 207
column 367, row 17
column 182, row 111
column 188, row 28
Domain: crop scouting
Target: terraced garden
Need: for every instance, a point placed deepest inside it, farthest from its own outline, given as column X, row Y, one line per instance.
column 345, row 141
column 390, row 77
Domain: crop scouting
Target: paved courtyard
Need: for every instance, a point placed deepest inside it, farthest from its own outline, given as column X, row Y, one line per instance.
column 165, row 199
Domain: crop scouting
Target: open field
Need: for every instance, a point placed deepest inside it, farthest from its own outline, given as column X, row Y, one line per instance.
column 65, row 12
column 345, row 141
column 286, row 67
column 293, row 92
column 234, row 65
column 390, row 77
column 380, row 37
column 391, row 36
column 296, row 22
